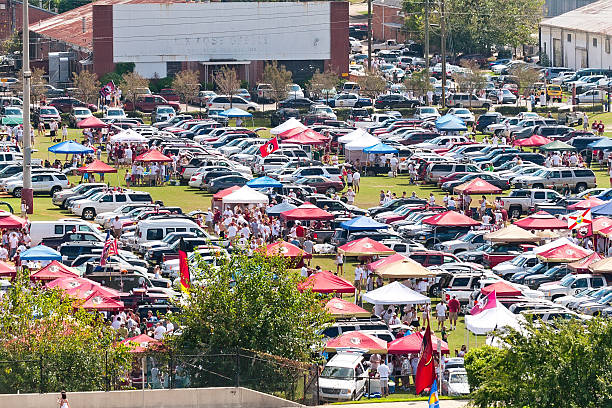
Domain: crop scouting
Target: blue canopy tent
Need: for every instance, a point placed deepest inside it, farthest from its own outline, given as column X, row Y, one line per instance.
column 362, row 223
column 264, row 182
column 604, row 209
column 450, row 123
column 380, row 148
column 277, row 209
column 40, row 253
column 70, row 147
column 604, row 143
column 236, row 113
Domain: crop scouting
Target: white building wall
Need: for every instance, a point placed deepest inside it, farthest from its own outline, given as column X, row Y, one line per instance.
column 578, row 51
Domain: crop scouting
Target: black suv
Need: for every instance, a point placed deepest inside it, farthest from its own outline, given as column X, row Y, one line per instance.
column 395, row 101
column 488, row 119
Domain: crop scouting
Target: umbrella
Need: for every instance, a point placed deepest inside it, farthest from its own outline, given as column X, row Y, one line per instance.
column 564, row 253
column 602, row 144
column 285, row 249
column 557, row 146
column 7, row 270
column 91, row 122
column 365, row 247
column 264, row 182
column 450, row 219
column 380, row 148
column 326, row 282
column 55, row 270
column 40, row 253
column 363, row 223
column 338, row 307
column 357, row 339
column 98, row 300
column 412, row 344
column 152, row 156
column 70, row 147
column 582, row 265
column 541, row 220
column 533, row 141
column 235, row 113
column 586, row 204
column 404, row 269
column 477, row 186
column 307, row 211
column 511, row 233
column 275, row 210
column 97, row 166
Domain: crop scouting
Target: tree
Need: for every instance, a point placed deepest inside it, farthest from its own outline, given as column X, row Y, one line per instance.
column 12, row 44
column 88, row 85
column 187, row 85
column 526, row 77
column 40, row 326
column 37, row 83
column 227, row 82
column 371, row 84
column 418, row 83
column 563, row 365
column 322, row 83
column 250, row 302
column 471, row 79
column 131, row 84
column 278, row 77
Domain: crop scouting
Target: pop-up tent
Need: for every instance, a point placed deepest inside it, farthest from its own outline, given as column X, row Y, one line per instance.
column 326, row 282
column 586, row 204
column 128, row 136
column 7, row 271
column 91, row 122
column 395, row 293
column 477, row 186
column 380, row 148
column 541, row 220
column 412, row 344
column 363, row 223
column 275, row 210
column 491, row 319
column 153, row 156
column 501, row 289
column 235, row 113
column 404, row 269
column 354, row 135
column 450, row 123
column 217, row 199
column 564, row 253
column 354, row 149
column 290, row 123
column 97, row 166
column 99, row 300
column 245, row 195
column 365, row 247
column 338, row 307
column 264, row 182
column 450, row 219
column 55, row 270
column 511, row 233
column 533, row 141
column 70, row 147
column 40, row 253
column 357, row 339
column 307, row 212
column 11, row 221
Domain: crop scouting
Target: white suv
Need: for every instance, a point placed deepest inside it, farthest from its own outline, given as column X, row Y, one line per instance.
column 330, row 172
column 571, row 284
column 223, row 102
column 343, row 378
column 108, row 201
column 49, row 183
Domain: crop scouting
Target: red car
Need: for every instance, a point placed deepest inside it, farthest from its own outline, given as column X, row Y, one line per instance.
column 322, row 185
column 453, row 176
column 65, row 104
column 169, row 94
column 148, row 103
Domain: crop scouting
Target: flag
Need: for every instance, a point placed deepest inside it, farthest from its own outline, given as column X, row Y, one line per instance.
column 107, row 89
column 269, row 147
column 184, row 266
column 433, row 401
column 580, row 219
column 110, row 248
column 426, row 370
column 487, row 302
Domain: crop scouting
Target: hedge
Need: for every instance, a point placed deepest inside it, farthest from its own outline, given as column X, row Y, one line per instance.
column 510, row 109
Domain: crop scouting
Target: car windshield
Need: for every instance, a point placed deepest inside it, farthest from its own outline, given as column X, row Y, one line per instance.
column 606, row 299
column 294, row 88
column 12, row 111
column 462, row 111
column 568, row 280
column 165, row 110
column 551, row 272
column 48, row 111
column 341, row 373
column 428, row 110
column 459, row 378
column 541, row 173
column 519, row 261
column 115, row 112
column 82, row 112
column 468, row 237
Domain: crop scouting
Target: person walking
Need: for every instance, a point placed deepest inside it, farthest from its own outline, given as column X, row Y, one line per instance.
column 356, row 180
column 441, row 314
column 62, row 402
column 339, row 264
column 453, row 312
column 117, row 226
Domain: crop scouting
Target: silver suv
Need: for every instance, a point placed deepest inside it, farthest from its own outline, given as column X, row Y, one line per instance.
column 578, row 179
column 464, row 100
column 50, row 183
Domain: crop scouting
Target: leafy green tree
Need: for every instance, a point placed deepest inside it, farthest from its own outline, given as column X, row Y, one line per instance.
column 561, row 365
column 250, row 302
column 371, row 84
column 12, row 44
column 418, row 83
column 74, row 347
column 278, row 77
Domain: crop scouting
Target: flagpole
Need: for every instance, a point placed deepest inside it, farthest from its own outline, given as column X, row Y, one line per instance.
column 440, row 366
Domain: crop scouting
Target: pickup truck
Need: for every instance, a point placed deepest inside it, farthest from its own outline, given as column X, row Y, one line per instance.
column 262, row 93
column 519, row 201
column 571, row 284
column 558, row 207
column 387, row 45
column 148, row 103
column 503, row 252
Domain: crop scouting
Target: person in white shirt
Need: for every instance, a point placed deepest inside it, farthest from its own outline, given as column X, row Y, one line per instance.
column 159, row 332
column 394, row 320
column 117, row 225
column 441, row 314
column 383, row 373
column 432, row 199
column 422, row 286
column 350, row 196
column 394, row 162
column 356, row 179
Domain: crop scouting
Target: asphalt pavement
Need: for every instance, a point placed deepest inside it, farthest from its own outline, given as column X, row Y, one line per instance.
column 408, row 404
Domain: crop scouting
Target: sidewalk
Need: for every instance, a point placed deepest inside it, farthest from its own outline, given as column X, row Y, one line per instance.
column 408, row 404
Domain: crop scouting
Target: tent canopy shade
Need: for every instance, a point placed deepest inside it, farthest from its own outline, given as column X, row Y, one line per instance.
column 128, row 136
column 289, row 124
column 153, row 156
column 363, row 223
column 97, row 166
column 326, row 282
column 245, row 195
column 365, row 247
column 264, row 182
column 395, row 293
column 306, row 212
column 357, row 339
column 511, row 233
column 404, row 269
column 70, row 147
column 338, row 307
column 235, row 113
column 91, row 122
column 477, row 186
column 41, row 253
column 412, row 344
column 491, row 319
column 380, row 148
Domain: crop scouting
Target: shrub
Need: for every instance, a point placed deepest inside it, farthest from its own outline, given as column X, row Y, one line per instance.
column 510, row 109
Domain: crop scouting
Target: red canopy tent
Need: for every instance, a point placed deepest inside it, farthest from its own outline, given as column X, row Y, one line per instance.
column 386, row 261
column 307, row 137
column 11, row 221
column 326, row 282
column 343, row 308
column 55, row 270
column 217, row 199
column 285, row 249
column 365, row 247
column 600, row 223
column 99, row 300
column 412, row 344
column 533, row 141
column 7, row 271
column 81, row 288
column 477, row 186
column 357, row 339
column 564, row 253
column 152, row 156
column 450, row 219
column 140, row 344
column 582, row 265
column 586, row 204
column 307, row 212
column 91, row 122
column 291, row 132
column 501, row 289
column 97, row 166
column 540, row 221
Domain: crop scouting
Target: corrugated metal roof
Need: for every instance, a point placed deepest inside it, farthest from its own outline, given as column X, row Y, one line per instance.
column 68, row 27
column 593, row 18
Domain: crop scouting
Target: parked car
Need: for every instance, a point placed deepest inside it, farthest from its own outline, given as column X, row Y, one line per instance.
column 148, row 103
column 224, row 102
column 66, row 104
column 394, row 101
column 78, row 114
column 48, row 183
column 46, row 115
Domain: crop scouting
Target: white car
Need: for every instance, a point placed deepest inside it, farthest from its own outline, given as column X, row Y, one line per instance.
column 571, row 284
column 295, row 91
column 356, row 45
column 108, row 201
column 464, row 114
column 426, row 112
column 324, row 111
column 223, row 102
column 455, row 382
column 115, row 113
column 346, row 100
column 343, row 378
column 49, row 183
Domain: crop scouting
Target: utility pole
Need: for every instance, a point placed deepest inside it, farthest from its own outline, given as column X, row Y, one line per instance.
column 27, row 199
column 443, row 49
column 427, row 38
column 369, row 35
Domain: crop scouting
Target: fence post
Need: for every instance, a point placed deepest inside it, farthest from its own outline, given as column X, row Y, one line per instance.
column 171, row 363
column 237, row 368
column 106, row 376
column 42, row 378
column 317, row 374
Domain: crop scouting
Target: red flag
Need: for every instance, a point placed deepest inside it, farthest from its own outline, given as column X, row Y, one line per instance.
column 184, row 267
column 426, row 370
column 269, row 147
column 487, row 302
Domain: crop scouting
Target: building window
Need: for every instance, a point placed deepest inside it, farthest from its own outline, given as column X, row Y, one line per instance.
column 607, row 45
column 594, row 42
column 569, row 38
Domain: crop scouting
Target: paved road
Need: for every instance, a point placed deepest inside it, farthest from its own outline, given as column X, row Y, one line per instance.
column 410, row 404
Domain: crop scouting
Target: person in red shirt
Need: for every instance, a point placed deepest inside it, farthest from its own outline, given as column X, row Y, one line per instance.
column 300, row 232
column 453, row 311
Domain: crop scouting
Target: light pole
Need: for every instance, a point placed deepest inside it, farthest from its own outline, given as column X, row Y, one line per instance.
column 27, row 199
column 383, row 20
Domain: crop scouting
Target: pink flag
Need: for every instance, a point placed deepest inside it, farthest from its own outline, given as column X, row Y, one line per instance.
column 487, row 302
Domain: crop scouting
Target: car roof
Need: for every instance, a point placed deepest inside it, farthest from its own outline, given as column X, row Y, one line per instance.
column 349, row 360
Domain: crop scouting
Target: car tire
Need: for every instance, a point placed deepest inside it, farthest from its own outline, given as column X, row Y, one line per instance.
column 435, row 290
column 54, row 190
column 89, row 213
column 330, row 190
column 515, row 212
column 17, row 192
column 250, row 109
column 580, row 187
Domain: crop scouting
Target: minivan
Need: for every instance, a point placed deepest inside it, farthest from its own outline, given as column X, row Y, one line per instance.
column 157, row 229
column 57, row 228
column 437, row 170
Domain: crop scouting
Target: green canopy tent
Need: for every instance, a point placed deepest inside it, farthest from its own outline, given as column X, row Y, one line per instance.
column 12, row 120
column 557, row 146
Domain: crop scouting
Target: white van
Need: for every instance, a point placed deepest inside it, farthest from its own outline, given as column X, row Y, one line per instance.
column 57, row 228
column 157, row 229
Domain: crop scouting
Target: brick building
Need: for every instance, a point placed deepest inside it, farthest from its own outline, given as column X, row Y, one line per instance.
column 388, row 20
column 11, row 16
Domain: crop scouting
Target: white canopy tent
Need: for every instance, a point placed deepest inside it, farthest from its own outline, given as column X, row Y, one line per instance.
column 245, row 195
column 354, row 149
column 354, row 135
column 289, row 124
column 491, row 319
column 128, row 136
column 395, row 293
